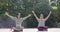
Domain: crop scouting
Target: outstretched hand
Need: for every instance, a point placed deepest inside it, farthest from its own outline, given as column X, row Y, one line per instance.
column 19, row 13
column 32, row 11
column 29, row 14
column 6, row 13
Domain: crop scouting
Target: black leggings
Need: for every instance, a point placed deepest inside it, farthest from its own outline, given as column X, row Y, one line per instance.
column 16, row 31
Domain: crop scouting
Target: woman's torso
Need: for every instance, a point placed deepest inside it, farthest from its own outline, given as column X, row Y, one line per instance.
column 41, row 22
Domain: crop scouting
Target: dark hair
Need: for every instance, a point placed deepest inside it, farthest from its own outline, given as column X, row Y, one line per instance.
column 17, row 14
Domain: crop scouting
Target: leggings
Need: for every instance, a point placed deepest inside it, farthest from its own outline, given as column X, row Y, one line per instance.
column 16, row 31
column 42, row 28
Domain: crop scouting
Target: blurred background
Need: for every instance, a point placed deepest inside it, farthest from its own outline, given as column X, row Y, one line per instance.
column 25, row 7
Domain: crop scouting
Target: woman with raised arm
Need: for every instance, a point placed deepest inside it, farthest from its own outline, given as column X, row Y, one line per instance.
column 41, row 21
column 18, row 21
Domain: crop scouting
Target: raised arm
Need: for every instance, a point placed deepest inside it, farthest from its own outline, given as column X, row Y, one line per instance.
column 48, row 16
column 27, row 16
column 35, row 15
column 6, row 13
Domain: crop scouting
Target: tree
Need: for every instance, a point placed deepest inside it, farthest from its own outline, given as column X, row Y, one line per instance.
column 25, row 7
column 44, row 7
column 58, row 12
column 40, row 6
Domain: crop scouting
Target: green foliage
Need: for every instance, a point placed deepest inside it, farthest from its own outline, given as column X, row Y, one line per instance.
column 57, row 16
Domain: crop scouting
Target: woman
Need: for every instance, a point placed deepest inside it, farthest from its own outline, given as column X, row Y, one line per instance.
column 41, row 21
column 18, row 20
